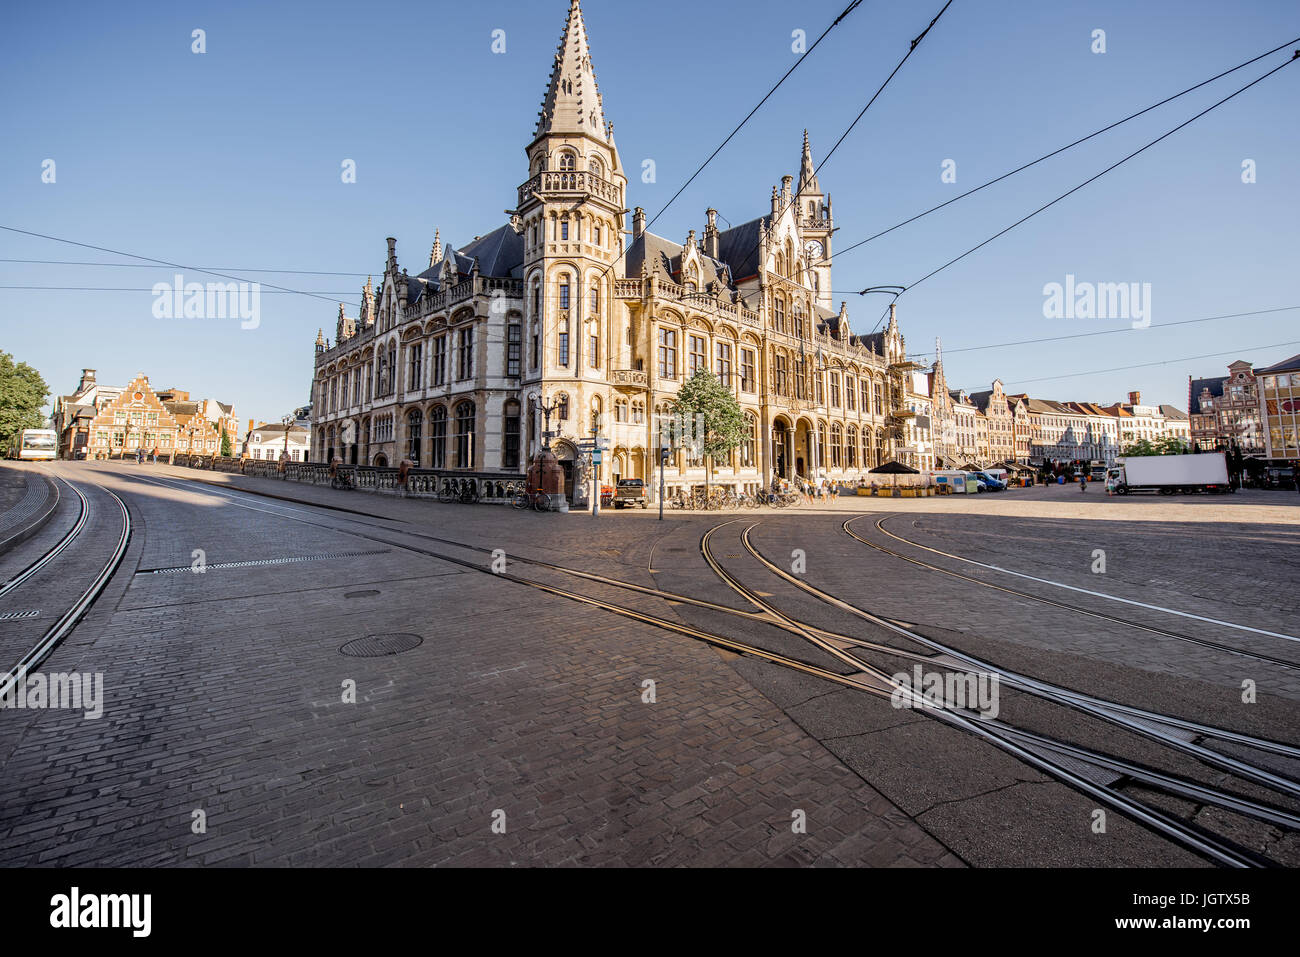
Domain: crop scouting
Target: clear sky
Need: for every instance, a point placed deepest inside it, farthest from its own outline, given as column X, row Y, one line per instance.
column 232, row 159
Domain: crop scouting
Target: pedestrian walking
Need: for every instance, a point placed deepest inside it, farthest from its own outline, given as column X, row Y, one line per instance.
column 155, row 455
column 834, row 490
column 1083, row 483
column 139, row 456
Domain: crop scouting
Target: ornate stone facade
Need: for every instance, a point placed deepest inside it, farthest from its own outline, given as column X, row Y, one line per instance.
column 560, row 326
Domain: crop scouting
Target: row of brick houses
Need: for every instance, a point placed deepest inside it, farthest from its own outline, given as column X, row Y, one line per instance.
column 1253, row 411
column 102, row 422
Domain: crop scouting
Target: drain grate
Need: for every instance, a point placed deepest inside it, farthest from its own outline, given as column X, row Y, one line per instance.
column 380, row 646
column 261, row 562
column 19, row 615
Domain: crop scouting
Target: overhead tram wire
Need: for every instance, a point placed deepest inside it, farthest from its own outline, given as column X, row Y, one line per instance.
column 1111, row 332
column 1056, row 152
column 857, row 119
column 269, row 292
column 807, row 53
column 1161, row 362
column 1093, row 178
column 162, row 262
column 66, row 262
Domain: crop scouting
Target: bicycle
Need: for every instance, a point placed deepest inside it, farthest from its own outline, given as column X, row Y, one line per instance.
column 534, row 499
column 343, row 482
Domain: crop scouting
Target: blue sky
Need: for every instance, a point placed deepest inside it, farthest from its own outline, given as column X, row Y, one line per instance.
column 232, row 159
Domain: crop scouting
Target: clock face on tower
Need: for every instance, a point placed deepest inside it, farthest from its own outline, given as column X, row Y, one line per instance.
column 814, row 249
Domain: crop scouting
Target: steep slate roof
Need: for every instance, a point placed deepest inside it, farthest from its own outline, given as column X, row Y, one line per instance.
column 500, row 254
column 1194, row 392
column 1286, row 365
column 665, row 257
column 1172, row 412
column 738, row 248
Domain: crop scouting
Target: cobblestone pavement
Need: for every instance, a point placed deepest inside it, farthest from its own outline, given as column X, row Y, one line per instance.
column 225, row 696
column 225, row 688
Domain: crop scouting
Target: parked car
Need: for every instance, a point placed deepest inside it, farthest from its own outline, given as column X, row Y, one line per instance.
column 990, row 483
column 630, row 492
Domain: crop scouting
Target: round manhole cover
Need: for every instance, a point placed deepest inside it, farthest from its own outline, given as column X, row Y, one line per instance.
column 378, row 646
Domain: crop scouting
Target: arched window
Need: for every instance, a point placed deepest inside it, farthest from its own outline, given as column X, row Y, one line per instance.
column 837, row 442
column 414, row 434
column 851, row 447
column 465, row 435
column 594, row 165
column 563, row 410
column 821, row 446
column 620, row 410
column 568, row 162
column 438, row 437
column 749, row 445
column 868, row 460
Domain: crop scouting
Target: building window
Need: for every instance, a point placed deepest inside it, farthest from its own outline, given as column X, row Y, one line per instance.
column 724, row 363
column 837, row 441
column 698, row 359
column 414, row 433
column 564, row 286
column 749, row 445
column 514, row 349
column 465, row 353
column 850, row 393
column 439, row 369
column 595, row 299
column 821, row 446
column 465, row 435
column 510, row 436
column 564, row 343
column 851, row 447
column 438, row 437
column 593, row 346
column 779, row 375
column 667, row 353
column 879, row 406
column 415, row 371
column 835, row 390
column 779, row 309
column 747, row 370
column 817, row 378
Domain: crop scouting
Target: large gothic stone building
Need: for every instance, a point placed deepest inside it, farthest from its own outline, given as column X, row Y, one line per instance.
column 561, row 324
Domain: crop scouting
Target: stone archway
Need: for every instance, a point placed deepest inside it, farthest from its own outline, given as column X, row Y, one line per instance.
column 804, row 449
column 567, row 456
column 780, row 461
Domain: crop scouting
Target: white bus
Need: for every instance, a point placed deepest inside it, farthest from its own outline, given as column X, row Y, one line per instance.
column 34, row 445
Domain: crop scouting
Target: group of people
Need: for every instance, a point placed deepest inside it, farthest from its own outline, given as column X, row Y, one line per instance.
column 810, row 490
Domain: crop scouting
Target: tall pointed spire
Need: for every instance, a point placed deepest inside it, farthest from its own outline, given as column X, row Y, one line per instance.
column 572, row 103
column 807, row 171
column 435, row 255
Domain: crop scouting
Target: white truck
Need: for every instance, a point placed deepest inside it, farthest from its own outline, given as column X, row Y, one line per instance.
column 1170, row 474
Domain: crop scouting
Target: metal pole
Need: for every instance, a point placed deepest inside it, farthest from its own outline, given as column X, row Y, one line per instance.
column 661, row 471
column 595, row 476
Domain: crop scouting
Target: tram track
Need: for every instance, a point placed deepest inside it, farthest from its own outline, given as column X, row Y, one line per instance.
column 1065, row 606
column 1048, row 755
column 85, row 598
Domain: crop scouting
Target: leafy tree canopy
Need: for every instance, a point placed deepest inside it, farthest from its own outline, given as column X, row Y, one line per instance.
column 724, row 424
column 1165, row 445
column 22, row 393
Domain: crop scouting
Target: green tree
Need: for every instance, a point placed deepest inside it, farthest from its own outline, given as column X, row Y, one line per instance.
column 22, row 393
column 226, row 451
column 1165, row 445
column 705, row 399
